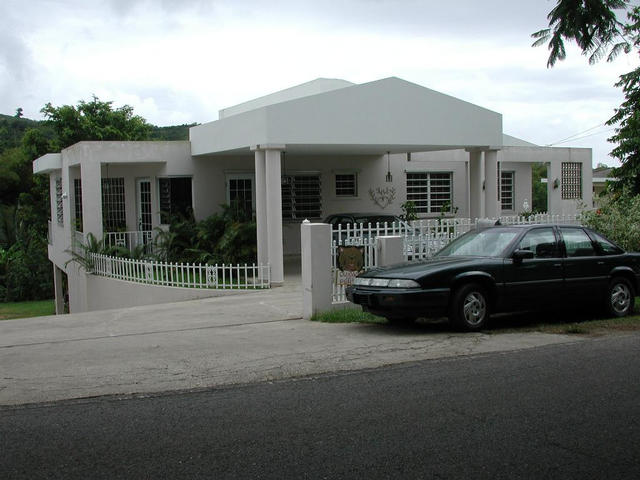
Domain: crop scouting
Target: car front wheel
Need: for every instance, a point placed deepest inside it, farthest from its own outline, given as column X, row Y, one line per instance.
column 469, row 309
column 619, row 297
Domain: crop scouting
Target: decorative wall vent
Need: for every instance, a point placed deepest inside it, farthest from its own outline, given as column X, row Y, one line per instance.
column 383, row 197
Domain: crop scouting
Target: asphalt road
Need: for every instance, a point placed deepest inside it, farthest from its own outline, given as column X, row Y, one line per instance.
column 562, row 411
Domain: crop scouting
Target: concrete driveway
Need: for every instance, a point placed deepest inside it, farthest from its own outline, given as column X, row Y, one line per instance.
column 243, row 338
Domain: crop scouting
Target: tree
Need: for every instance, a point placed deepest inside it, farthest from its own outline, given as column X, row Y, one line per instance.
column 594, row 26
column 538, row 189
column 18, row 112
column 94, row 120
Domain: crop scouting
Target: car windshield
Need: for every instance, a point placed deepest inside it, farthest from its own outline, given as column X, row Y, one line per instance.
column 486, row 243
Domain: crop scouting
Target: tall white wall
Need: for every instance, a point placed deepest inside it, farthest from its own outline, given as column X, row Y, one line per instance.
column 554, row 157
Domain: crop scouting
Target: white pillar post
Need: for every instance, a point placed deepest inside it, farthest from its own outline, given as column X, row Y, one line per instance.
column 476, row 170
column 58, row 290
column 91, row 198
column 315, row 245
column 492, row 207
column 389, row 250
column 273, row 193
column 261, row 208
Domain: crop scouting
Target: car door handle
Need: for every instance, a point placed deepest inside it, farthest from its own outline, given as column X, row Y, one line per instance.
column 557, row 264
column 600, row 262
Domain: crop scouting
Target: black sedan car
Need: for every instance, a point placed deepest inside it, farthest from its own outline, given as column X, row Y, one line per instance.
column 503, row 269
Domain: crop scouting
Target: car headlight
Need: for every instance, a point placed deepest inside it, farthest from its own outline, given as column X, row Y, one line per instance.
column 385, row 282
column 401, row 283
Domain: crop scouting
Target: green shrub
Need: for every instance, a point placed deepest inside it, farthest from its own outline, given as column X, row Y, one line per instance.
column 227, row 237
column 618, row 219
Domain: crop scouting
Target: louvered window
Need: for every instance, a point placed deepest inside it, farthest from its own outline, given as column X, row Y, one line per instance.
column 430, row 191
column 506, row 190
column 77, row 196
column 301, row 197
column 175, row 197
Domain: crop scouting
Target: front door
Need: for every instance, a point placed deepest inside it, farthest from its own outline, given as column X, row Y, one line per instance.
column 240, row 193
column 144, row 209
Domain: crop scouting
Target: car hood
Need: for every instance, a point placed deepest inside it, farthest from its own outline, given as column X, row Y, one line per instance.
column 416, row 270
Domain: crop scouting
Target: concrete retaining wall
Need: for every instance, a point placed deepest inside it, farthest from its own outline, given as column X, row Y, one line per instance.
column 104, row 293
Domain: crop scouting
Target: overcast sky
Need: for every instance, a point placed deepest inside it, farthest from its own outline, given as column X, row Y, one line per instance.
column 180, row 61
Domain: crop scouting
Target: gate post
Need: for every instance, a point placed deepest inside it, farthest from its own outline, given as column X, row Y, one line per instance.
column 389, row 250
column 316, row 268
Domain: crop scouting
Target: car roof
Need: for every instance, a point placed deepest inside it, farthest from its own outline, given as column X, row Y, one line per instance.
column 521, row 226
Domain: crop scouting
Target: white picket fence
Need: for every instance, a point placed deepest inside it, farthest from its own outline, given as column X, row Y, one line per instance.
column 422, row 239
column 183, row 275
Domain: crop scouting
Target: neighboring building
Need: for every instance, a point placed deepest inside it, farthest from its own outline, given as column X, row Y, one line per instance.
column 600, row 177
column 306, row 152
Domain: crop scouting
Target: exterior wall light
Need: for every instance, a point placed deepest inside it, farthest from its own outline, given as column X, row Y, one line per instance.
column 388, row 177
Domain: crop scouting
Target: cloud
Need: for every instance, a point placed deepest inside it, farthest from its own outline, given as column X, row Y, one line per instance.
column 179, row 62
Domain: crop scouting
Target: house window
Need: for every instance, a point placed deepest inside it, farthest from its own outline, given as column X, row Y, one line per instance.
column 113, row 207
column 431, row 192
column 175, row 197
column 240, row 193
column 77, row 195
column 346, row 184
column 571, row 180
column 301, row 197
column 506, row 190
column 59, row 214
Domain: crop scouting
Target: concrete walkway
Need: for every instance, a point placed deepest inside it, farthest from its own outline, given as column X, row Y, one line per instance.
column 202, row 343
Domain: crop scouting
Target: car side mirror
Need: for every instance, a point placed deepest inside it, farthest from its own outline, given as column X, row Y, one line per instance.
column 520, row 255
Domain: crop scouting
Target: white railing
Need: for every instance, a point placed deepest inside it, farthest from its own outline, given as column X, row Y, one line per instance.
column 181, row 274
column 130, row 240
column 541, row 218
column 422, row 239
column 343, row 235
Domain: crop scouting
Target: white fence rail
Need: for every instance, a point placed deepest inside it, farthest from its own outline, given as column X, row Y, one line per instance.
column 422, row 239
column 181, row 274
column 130, row 240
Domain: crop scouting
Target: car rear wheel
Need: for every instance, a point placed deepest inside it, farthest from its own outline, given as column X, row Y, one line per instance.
column 469, row 309
column 619, row 297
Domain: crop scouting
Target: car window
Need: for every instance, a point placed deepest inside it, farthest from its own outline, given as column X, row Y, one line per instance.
column 486, row 243
column 541, row 241
column 606, row 247
column 577, row 243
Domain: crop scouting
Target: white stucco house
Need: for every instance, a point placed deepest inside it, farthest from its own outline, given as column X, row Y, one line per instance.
column 323, row 147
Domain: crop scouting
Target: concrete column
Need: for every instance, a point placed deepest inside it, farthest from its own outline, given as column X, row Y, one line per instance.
column 491, row 184
column 261, row 208
column 554, row 188
column 389, row 250
column 476, row 178
column 273, row 192
column 58, row 290
column 315, row 245
column 91, row 198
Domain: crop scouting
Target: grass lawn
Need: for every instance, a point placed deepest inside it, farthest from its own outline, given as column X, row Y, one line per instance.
column 35, row 308
column 579, row 322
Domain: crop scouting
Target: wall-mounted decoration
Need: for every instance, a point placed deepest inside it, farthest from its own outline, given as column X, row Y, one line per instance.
column 383, row 197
